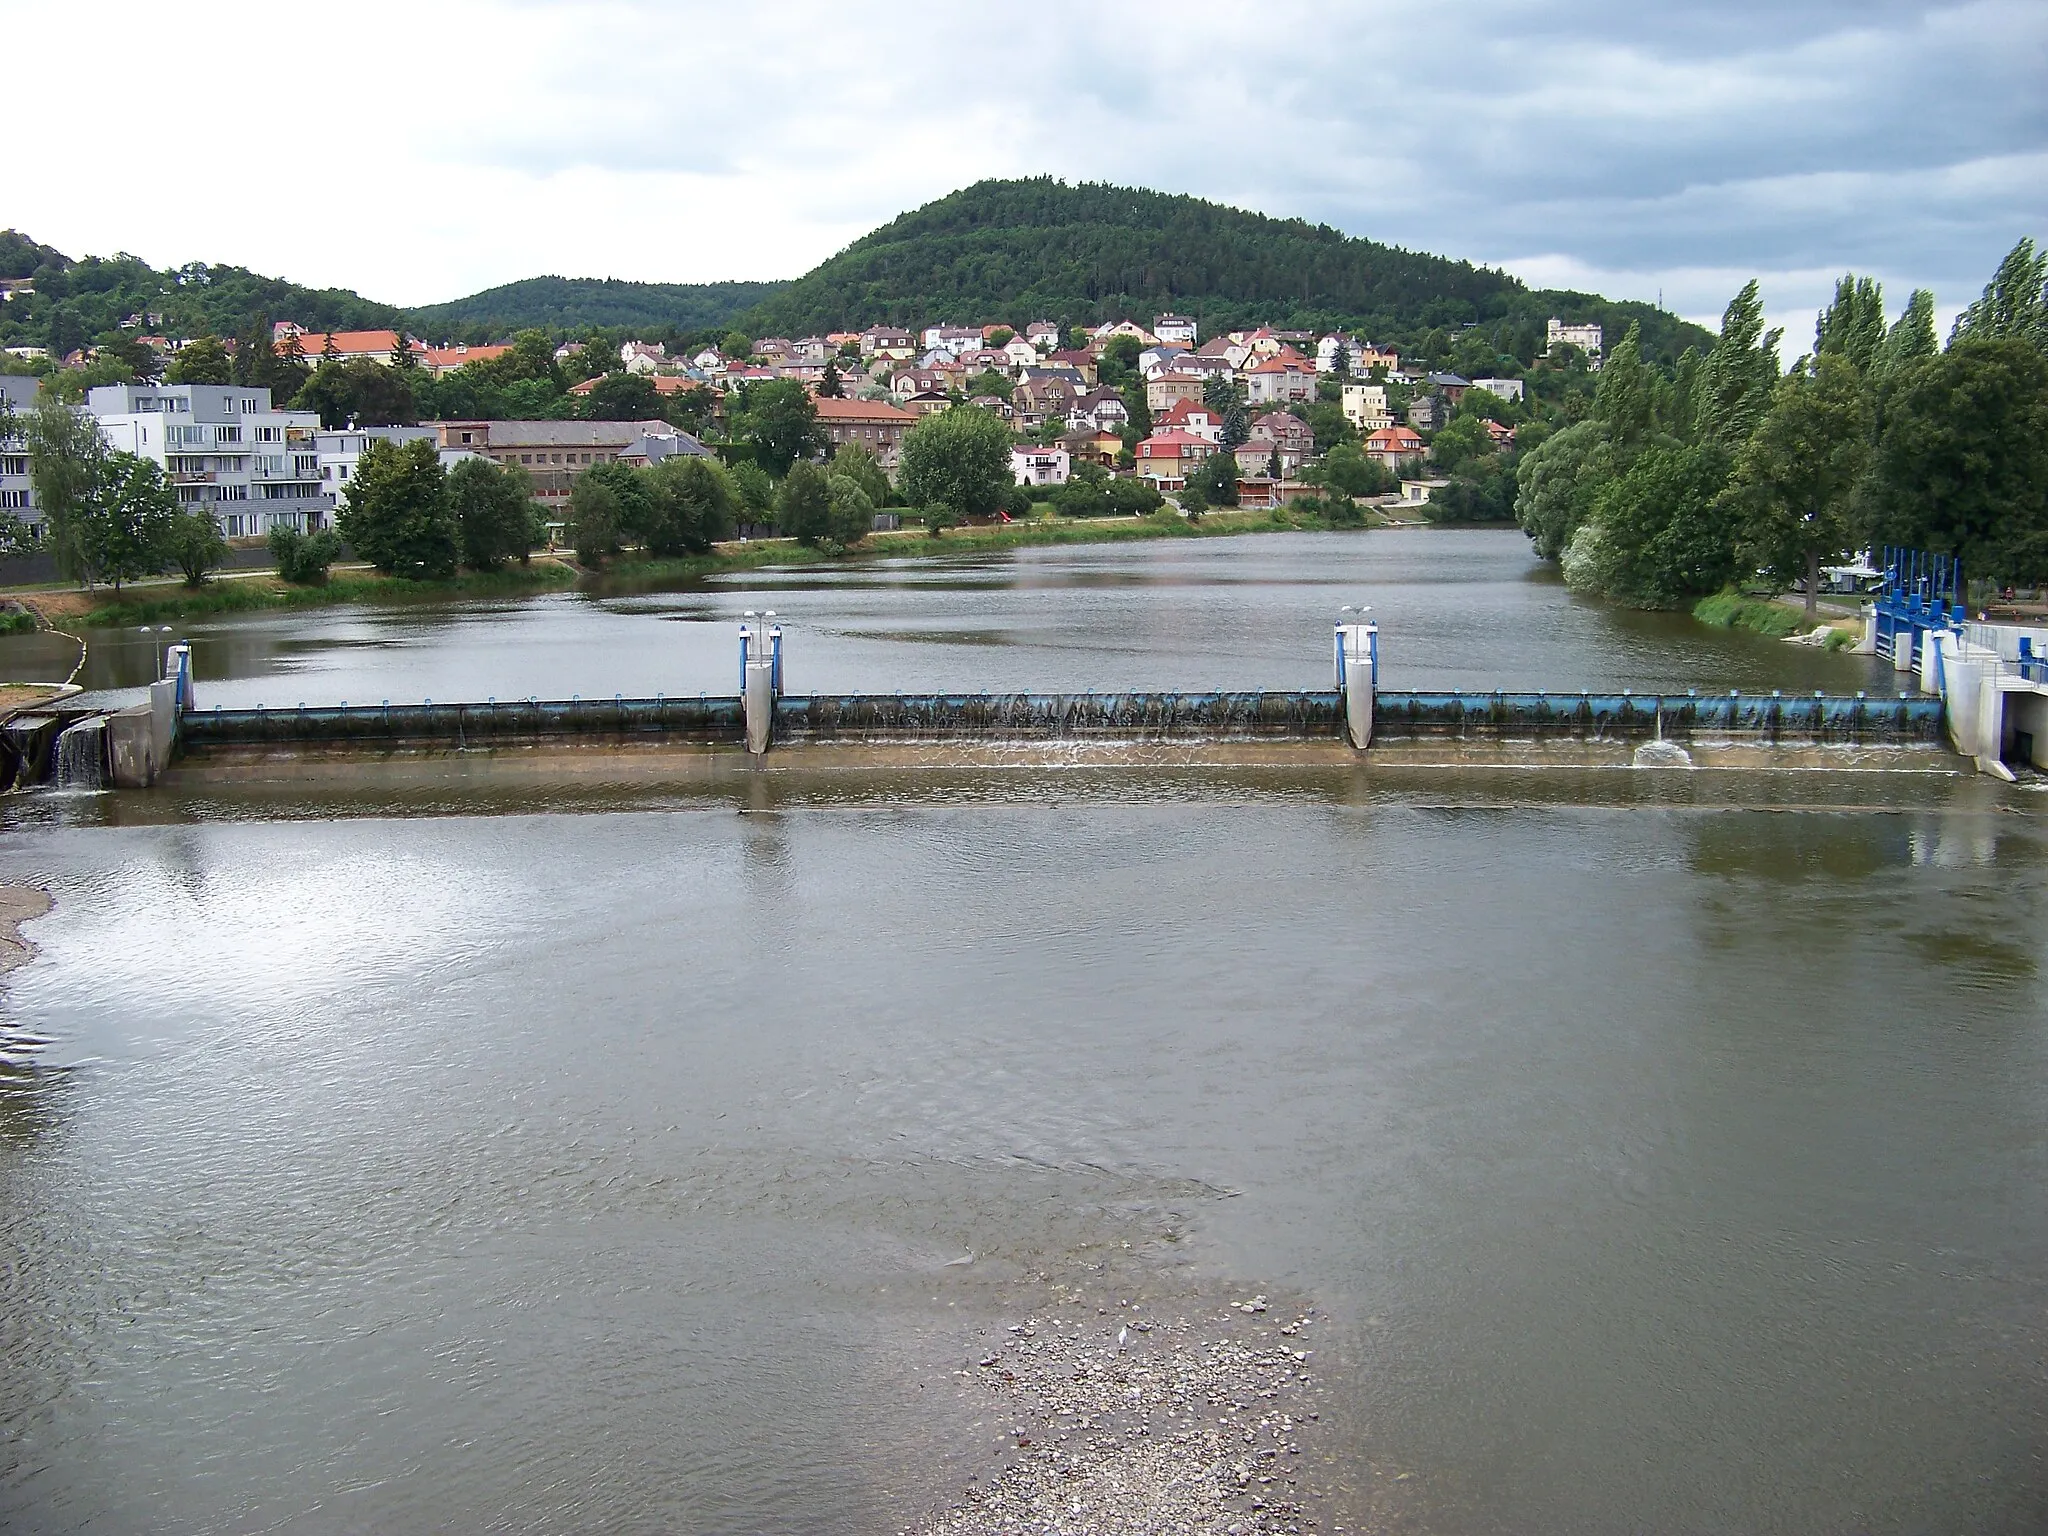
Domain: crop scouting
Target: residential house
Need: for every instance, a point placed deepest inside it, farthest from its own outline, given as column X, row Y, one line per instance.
column 740, row 375
column 841, row 340
column 871, row 424
column 996, row 404
column 1289, row 431
column 1022, row 353
column 1284, row 377
column 1365, row 407
column 1169, row 456
column 1449, row 385
column 1587, row 338
column 1164, row 390
column 1160, row 358
column 1040, row 466
column 1427, row 413
column 553, row 453
column 1041, row 398
column 814, row 349
column 1178, row 329
column 349, row 346
column 927, row 403
column 643, row 357
column 1043, row 334
column 1505, row 389
column 774, row 350
column 1390, row 445
column 917, row 381
column 1503, row 437
column 1255, row 456
column 1415, row 493
column 952, row 338
column 1354, row 352
column 224, row 447
column 1100, row 408
column 1264, row 342
column 442, row 361
column 1227, row 349
column 1207, row 367
column 1190, row 416
column 1093, row 445
column 1369, row 357
column 711, row 360
column 664, row 384
column 1104, row 334
column 887, row 341
column 17, row 493
column 981, row 359
column 1081, row 361
column 1072, row 377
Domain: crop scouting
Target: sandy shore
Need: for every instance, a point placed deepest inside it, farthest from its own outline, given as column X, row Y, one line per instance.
column 18, row 904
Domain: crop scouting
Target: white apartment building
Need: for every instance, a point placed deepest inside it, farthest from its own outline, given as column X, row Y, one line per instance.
column 225, row 448
column 340, row 450
column 1365, row 407
column 17, row 496
column 952, row 338
column 1587, row 338
column 1507, row 389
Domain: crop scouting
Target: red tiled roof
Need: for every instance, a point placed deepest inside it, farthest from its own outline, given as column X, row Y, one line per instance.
column 860, row 410
column 350, row 343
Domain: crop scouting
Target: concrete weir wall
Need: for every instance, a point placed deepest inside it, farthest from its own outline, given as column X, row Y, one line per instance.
column 1253, row 714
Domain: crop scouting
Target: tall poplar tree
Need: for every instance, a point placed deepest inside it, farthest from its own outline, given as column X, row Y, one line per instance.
column 1736, row 379
column 2015, row 302
column 1796, row 478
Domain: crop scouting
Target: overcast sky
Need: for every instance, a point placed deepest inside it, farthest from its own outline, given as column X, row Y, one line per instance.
column 421, row 151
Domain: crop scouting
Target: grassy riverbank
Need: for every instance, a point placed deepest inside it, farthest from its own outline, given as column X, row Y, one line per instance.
column 1769, row 616
column 158, row 603
column 155, row 604
column 912, row 544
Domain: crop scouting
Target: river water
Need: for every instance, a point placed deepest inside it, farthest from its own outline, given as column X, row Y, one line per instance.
column 1664, row 1151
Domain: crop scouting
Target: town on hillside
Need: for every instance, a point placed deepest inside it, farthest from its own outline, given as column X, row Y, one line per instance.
column 265, row 431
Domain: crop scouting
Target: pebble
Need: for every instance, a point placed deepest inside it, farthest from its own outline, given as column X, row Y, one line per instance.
column 1142, row 1426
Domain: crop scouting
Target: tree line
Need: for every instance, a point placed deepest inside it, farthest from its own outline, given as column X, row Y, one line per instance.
column 1726, row 469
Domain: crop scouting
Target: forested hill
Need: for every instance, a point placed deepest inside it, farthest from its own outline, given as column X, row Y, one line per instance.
column 78, row 301
column 1023, row 250
column 576, row 303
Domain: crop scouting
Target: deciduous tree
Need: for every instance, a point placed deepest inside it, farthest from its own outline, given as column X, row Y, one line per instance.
column 494, row 513
column 959, row 460
column 202, row 360
column 396, row 511
column 1796, row 478
column 781, row 421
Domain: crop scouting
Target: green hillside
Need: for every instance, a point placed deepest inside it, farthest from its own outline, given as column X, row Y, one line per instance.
column 77, row 301
column 1022, row 250
column 576, row 303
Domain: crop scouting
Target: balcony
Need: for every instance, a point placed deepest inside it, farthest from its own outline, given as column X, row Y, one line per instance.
column 191, row 477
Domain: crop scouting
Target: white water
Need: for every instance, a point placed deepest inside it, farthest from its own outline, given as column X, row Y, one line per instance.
column 80, row 759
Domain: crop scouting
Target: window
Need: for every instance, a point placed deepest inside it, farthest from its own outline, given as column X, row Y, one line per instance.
column 526, row 458
column 14, row 501
column 14, row 465
column 270, row 434
column 227, row 434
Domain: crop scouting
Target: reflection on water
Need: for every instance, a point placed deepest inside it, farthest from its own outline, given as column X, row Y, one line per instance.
column 1458, row 608
column 1661, row 1164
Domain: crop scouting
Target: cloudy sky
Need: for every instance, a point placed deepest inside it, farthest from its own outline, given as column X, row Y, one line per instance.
column 421, row 151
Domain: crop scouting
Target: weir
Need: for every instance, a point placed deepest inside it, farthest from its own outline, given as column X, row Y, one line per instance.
column 763, row 716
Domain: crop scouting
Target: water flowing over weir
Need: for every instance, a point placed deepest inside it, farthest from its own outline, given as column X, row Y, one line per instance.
column 80, row 759
column 1306, row 715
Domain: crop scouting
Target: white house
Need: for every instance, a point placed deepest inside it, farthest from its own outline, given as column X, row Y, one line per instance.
column 642, row 357
column 1178, row 329
column 1365, row 407
column 224, row 447
column 952, row 338
column 1039, row 466
column 1283, row 378
column 1160, row 358
column 1587, row 338
column 1506, row 389
column 1022, row 354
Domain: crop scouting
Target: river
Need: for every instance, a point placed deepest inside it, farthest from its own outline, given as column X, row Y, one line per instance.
column 1659, row 1151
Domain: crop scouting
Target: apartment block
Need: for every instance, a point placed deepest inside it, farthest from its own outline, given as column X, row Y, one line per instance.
column 225, row 447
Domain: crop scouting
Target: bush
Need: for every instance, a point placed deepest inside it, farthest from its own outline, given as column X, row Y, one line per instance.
column 195, row 545
column 302, row 559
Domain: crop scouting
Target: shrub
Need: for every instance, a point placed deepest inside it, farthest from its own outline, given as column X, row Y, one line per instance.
column 302, row 559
